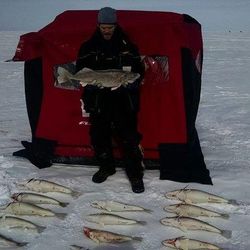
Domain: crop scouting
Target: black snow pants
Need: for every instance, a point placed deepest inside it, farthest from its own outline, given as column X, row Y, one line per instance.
column 115, row 115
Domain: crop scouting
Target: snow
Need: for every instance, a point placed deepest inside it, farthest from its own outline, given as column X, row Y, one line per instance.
column 223, row 125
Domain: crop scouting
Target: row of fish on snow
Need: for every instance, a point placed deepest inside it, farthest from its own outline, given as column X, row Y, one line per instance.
column 25, row 204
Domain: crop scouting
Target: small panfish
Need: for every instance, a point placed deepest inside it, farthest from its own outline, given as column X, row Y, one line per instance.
column 111, row 78
column 23, row 208
column 183, row 209
column 108, row 237
column 183, row 243
column 44, row 186
column 191, row 196
column 111, row 219
column 114, row 206
column 7, row 242
column 12, row 222
column 37, row 199
column 186, row 223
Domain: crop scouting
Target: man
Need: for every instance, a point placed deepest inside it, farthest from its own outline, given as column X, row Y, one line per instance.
column 113, row 112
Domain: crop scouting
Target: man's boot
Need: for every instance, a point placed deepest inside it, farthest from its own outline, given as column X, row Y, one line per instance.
column 106, row 169
column 134, row 167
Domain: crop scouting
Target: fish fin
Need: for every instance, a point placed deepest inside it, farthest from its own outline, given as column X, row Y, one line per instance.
column 233, row 202
column 114, row 88
column 60, row 215
column 226, row 233
column 85, row 69
column 63, row 204
column 141, row 222
column 188, row 201
column 76, row 194
column 137, row 238
column 83, row 84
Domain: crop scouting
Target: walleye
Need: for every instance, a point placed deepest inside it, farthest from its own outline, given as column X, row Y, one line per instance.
column 7, row 242
column 186, row 223
column 23, row 208
column 114, row 206
column 183, row 243
column 108, row 237
column 37, row 199
column 111, row 219
column 190, row 196
column 111, row 78
column 44, row 186
column 12, row 222
column 183, row 209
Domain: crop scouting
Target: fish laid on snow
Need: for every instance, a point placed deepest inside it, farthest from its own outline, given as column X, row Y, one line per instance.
column 183, row 209
column 187, row 223
column 12, row 222
column 182, row 243
column 114, row 206
column 7, row 242
column 44, row 186
column 107, row 237
column 190, row 196
column 111, row 219
column 112, row 78
column 23, row 208
column 37, row 199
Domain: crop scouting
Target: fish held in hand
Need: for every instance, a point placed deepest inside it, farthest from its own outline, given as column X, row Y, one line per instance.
column 111, row 78
column 183, row 209
column 12, row 222
column 191, row 196
column 183, row 243
column 111, row 219
column 186, row 223
column 37, row 199
column 44, row 186
column 99, row 236
column 23, row 208
column 114, row 206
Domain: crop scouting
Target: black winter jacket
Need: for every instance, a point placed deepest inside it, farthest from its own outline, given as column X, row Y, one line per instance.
column 100, row 54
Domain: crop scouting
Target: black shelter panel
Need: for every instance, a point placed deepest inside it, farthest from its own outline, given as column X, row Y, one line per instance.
column 185, row 162
column 33, row 82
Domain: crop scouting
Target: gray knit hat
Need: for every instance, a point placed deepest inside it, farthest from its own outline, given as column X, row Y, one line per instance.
column 107, row 15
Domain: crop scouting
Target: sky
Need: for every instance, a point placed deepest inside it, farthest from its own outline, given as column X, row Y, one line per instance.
column 215, row 15
column 223, row 125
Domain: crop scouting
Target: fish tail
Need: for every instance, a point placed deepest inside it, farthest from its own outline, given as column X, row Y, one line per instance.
column 63, row 75
column 40, row 229
column 142, row 222
column 148, row 211
column 224, row 216
column 60, row 215
column 63, row 204
column 21, row 244
column 233, row 202
column 137, row 238
column 226, row 233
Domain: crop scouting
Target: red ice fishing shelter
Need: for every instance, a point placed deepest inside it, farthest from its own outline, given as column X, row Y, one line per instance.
column 171, row 45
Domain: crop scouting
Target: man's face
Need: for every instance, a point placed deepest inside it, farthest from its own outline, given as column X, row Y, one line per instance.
column 107, row 30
